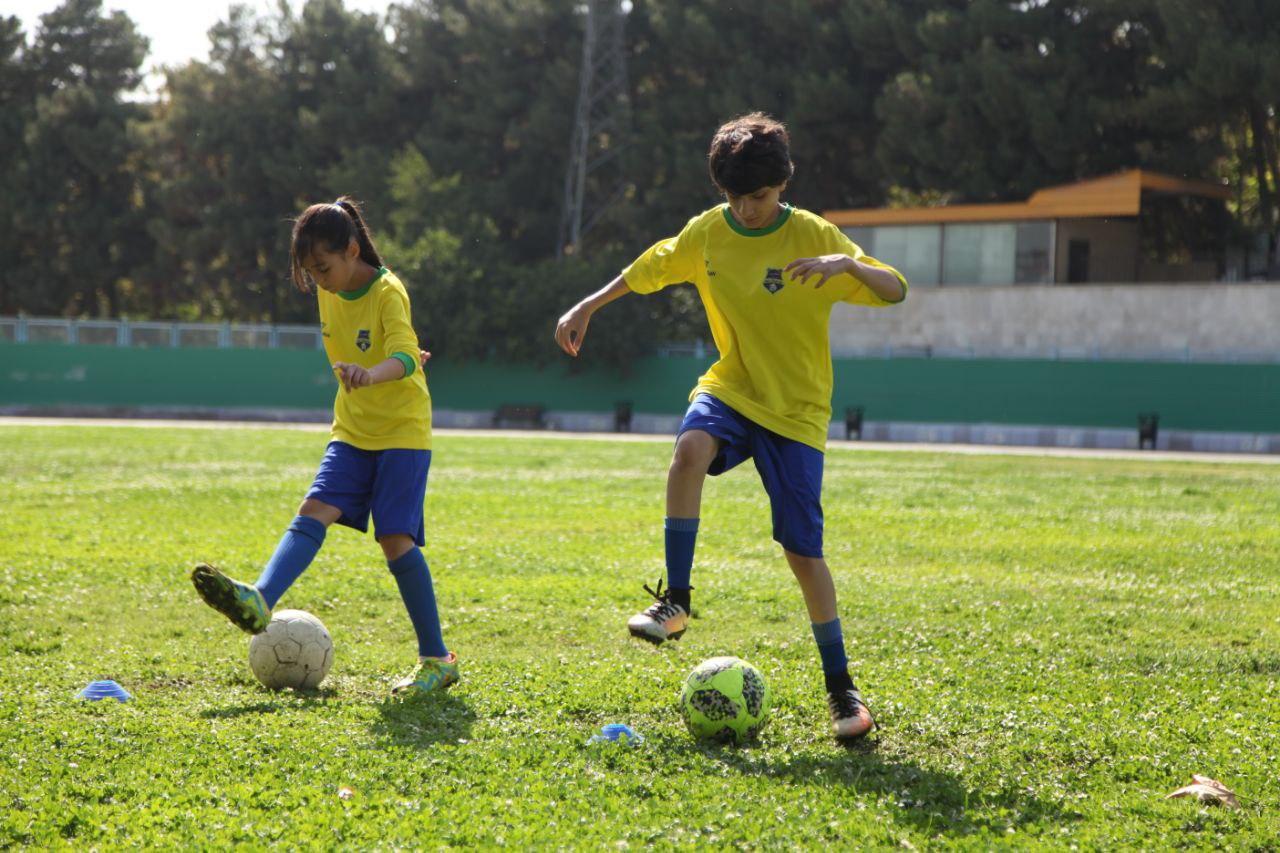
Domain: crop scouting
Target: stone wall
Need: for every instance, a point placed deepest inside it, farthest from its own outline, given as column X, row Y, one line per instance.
column 1184, row 322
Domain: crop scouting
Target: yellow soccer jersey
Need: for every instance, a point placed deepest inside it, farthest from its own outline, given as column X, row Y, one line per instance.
column 367, row 327
column 772, row 332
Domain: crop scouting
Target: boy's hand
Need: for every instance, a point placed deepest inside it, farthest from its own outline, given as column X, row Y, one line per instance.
column 353, row 376
column 423, row 358
column 824, row 267
column 572, row 328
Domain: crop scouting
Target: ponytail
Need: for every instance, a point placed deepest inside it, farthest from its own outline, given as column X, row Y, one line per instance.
column 368, row 252
column 332, row 226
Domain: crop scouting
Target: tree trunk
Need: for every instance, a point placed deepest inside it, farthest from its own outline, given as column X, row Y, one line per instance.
column 113, row 298
column 1260, row 134
column 1269, row 150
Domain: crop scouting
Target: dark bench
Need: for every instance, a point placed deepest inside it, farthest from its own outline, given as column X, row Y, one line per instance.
column 519, row 416
column 1148, row 430
column 622, row 415
column 853, row 423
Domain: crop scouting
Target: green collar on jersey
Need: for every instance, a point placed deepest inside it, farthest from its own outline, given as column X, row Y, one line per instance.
column 783, row 215
column 351, row 295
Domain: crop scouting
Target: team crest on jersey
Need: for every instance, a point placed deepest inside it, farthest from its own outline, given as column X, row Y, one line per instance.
column 773, row 280
column 362, row 340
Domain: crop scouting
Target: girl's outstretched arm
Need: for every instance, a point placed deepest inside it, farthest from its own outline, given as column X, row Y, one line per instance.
column 354, row 376
column 572, row 327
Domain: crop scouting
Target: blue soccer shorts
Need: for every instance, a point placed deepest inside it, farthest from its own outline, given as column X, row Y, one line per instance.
column 390, row 484
column 790, row 470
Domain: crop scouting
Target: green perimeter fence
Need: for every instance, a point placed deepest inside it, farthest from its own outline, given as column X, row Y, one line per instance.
column 1187, row 396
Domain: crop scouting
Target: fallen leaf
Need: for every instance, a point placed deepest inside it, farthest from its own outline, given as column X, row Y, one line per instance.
column 1207, row 790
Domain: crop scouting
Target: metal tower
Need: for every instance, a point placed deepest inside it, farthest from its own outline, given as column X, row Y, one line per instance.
column 595, row 178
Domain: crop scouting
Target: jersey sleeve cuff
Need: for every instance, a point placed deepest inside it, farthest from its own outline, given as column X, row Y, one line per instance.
column 408, row 361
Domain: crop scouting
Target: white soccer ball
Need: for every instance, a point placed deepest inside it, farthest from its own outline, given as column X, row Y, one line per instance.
column 295, row 651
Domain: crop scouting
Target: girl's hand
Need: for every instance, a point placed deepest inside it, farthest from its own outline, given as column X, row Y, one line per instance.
column 353, row 376
column 824, row 267
column 572, row 328
column 423, row 358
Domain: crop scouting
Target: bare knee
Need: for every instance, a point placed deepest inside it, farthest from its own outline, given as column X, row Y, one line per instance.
column 694, row 452
column 319, row 510
column 396, row 545
column 806, row 567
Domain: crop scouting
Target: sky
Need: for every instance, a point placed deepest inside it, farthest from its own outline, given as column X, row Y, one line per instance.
column 177, row 28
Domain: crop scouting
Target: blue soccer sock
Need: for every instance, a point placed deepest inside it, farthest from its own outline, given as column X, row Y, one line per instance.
column 414, row 579
column 830, row 642
column 681, row 534
column 297, row 548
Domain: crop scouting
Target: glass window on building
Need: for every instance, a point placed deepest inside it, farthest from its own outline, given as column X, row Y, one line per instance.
column 1031, row 263
column 913, row 250
column 863, row 235
column 963, row 253
column 979, row 253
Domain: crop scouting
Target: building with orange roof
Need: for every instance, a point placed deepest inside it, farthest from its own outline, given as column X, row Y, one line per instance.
column 1132, row 226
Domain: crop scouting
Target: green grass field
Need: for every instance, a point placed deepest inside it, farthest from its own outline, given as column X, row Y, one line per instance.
column 1051, row 645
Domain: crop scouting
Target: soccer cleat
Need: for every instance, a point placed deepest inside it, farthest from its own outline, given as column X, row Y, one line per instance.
column 239, row 602
column 661, row 621
column 850, row 718
column 431, row 674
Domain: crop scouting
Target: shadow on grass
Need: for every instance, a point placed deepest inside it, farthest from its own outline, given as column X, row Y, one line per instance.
column 305, row 700
column 931, row 801
column 423, row 721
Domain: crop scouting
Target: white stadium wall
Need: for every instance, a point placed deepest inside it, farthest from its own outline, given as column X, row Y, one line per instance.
column 1212, row 321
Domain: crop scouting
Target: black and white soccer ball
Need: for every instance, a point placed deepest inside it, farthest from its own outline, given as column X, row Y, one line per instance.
column 295, row 651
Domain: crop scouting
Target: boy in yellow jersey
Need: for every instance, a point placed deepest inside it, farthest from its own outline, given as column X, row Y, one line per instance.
column 377, row 461
column 768, row 275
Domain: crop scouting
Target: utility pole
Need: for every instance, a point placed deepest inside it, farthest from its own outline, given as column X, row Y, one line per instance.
column 601, row 124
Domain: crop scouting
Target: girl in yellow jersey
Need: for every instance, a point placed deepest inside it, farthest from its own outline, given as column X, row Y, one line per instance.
column 768, row 275
column 378, row 459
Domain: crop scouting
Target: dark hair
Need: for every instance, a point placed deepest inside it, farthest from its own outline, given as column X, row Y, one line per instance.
column 748, row 153
column 332, row 226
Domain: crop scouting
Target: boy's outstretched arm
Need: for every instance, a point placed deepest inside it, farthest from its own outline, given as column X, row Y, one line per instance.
column 572, row 327
column 882, row 282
